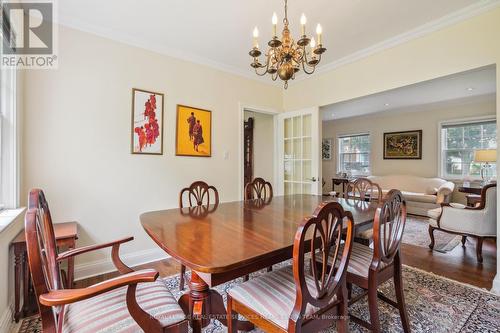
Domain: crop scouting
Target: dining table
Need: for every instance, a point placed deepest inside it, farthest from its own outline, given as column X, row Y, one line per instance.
column 223, row 242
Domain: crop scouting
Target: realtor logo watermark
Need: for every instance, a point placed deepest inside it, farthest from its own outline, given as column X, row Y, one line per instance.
column 29, row 35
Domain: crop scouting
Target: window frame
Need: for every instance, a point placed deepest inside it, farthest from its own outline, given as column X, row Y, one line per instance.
column 337, row 155
column 460, row 121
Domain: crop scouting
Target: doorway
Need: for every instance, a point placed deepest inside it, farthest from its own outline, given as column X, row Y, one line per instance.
column 258, row 146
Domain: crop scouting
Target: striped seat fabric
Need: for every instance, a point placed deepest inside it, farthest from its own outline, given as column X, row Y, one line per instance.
column 108, row 312
column 273, row 295
column 361, row 259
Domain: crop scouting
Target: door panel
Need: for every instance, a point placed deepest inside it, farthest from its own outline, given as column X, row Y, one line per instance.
column 299, row 135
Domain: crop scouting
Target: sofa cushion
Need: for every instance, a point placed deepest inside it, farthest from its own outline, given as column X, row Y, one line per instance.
column 421, row 197
column 407, row 182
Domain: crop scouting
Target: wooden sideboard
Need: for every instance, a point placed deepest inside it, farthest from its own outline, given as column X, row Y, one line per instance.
column 66, row 236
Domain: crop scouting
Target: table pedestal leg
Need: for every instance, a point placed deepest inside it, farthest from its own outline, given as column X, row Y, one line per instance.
column 209, row 303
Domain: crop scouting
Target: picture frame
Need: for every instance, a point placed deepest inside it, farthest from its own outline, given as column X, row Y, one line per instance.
column 326, row 149
column 404, row 145
column 193, row 137
column 147, row 122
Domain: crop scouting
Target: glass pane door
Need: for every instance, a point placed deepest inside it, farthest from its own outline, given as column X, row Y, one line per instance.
column 298, row 158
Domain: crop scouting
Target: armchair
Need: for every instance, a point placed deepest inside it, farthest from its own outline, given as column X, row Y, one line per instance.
column 478, row 221
column 134, row 301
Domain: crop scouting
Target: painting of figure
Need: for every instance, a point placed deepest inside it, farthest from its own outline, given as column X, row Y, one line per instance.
column 147, row 122
column 403, row 145
column 194, row 132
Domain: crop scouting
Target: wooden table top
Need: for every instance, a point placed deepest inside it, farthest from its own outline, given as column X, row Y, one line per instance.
column 236, row 233
column 61, row 231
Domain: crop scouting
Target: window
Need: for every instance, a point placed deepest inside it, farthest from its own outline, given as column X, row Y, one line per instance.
column 458, row 143
column 8, row 130
column 354, row 154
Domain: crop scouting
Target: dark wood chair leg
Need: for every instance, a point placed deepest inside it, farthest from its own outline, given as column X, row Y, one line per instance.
column 464, row 239
column 246, row 278
column 398, row 284
column 183, row 274
column 343, row 320
column 270, row 269
column 232, row 316
column 479, row 249
column 349, row 291
column 431, row 235
column 373, row 306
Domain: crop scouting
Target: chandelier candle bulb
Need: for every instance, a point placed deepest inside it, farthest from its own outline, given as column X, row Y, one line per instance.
column 256, row 37
column 319, row 31
column 303, row 21
column 275, row 24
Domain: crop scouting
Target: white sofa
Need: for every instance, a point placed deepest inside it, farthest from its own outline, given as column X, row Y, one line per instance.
column 421, row 194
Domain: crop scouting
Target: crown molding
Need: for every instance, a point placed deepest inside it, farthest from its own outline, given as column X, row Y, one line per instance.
column 170, row 52
column 445, row 21
column 425, row 29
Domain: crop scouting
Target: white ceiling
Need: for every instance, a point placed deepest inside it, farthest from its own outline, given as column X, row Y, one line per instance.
column 219, row 32
column 480, row 82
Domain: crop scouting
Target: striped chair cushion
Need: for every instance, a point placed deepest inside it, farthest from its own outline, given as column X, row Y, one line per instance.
column 361, row 259
column 108, row 312
column 272, row 295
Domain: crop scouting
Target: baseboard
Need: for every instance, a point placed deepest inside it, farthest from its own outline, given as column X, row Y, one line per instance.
column 90, row 269
column 496, row 284
column 6, row 323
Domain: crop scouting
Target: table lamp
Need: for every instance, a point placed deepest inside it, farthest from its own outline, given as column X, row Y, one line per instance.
column 485, row 156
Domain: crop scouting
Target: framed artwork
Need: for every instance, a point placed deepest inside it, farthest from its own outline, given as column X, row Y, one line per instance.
column 405, row 145
column 194, row 132
column 147, row 122
column 326, row 149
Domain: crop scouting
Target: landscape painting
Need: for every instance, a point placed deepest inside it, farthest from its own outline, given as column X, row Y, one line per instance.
column 194, row 132
column 403, row 145
column 147, row 122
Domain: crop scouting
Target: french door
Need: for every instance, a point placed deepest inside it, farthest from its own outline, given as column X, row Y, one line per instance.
column 299, row 167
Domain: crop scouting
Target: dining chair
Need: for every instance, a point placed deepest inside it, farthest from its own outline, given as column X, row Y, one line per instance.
column 369, row 268
column 364, row 190
column 197, row 194
column 262, row 192
column 299, row 298
column 479, row 222
column 258, row 189
column 131, row 302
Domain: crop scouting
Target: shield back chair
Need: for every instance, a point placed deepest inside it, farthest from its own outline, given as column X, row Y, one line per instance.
column 363, row 189
column 261, row 192
column 478, row 222
column 298, row 298
column 133, row 301
column 370, row 268
column 258, row 189
column 196, row 195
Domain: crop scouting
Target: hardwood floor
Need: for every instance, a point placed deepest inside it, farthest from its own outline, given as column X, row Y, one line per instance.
column 460, row 264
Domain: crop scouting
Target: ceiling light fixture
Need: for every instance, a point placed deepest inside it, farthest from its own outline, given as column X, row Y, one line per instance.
column 470, row 89
column 284, row 57
column 386, row 104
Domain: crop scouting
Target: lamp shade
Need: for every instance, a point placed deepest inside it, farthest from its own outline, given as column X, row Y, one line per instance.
column 485, row 155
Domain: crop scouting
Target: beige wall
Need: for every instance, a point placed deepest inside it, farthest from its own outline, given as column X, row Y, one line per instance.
column 77, row 136
column 426, row 120
column 263, row 141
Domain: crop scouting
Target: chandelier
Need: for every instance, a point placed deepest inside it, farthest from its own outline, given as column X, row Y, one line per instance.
column 284, row 57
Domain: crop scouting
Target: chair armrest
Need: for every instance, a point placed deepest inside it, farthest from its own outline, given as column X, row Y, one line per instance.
column 67, row 296
column 444, row 192
column 81, row 250
column 120, row 265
